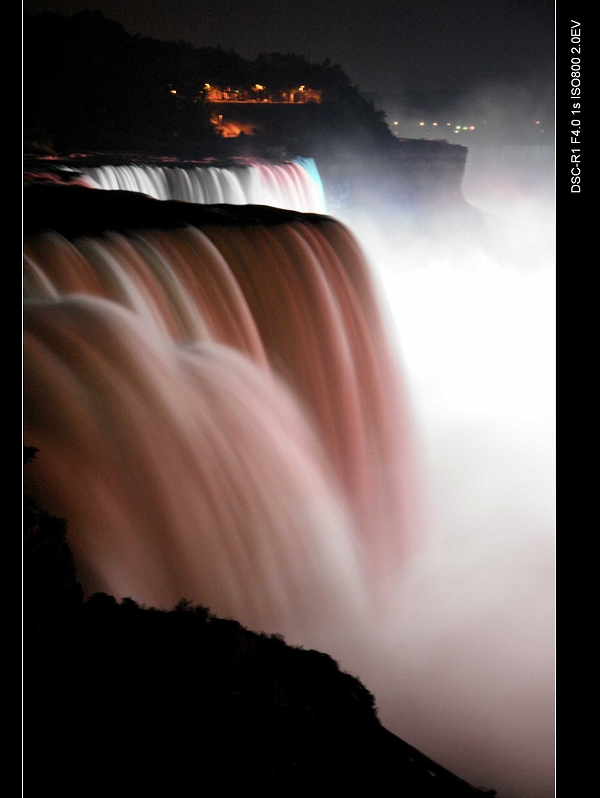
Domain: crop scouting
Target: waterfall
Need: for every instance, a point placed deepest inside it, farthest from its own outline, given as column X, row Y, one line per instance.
column 219, row 414
column 294, row 185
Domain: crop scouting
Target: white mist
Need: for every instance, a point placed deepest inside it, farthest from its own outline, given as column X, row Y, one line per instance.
column 464, row 667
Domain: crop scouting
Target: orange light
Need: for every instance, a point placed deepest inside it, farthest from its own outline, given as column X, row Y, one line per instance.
column 230, row 130
column 173, row 91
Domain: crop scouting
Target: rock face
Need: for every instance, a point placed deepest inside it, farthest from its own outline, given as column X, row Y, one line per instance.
column 415, row 173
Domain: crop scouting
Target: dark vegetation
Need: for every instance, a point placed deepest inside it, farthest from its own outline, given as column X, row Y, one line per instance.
column 123, row 700
column 88, row 84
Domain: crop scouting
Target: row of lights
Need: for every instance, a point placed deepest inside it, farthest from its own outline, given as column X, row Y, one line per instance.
column 458, row 127
column 256, row 87
column 449, row 124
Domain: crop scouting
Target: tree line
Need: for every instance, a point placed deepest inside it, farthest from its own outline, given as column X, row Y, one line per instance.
column 89, row 83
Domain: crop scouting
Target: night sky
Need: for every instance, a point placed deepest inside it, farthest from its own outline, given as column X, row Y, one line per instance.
column 385, row 46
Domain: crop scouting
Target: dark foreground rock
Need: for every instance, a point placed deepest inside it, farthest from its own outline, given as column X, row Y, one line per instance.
column 125, row 700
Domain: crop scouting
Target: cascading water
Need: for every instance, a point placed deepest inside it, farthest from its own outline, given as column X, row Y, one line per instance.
column 295, row 185
column 219, row 415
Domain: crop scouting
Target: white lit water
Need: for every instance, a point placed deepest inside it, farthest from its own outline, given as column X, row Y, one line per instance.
column 294, row 185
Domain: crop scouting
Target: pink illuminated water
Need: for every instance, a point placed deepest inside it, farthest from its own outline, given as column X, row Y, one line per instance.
column 228, row 413
column 219, row 416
